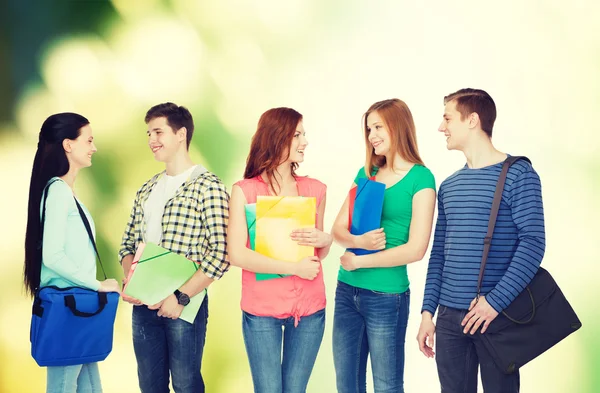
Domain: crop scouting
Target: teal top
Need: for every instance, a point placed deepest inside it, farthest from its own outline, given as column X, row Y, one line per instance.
column 68, row 256
column 395, row 221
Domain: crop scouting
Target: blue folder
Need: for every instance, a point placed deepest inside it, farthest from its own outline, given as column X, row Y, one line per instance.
column 368, row 206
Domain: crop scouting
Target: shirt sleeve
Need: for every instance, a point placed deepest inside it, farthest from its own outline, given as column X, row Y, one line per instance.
column 360, row 175
column 128, row 240
column 424, row 180
column 54, row 257
column 433, row 283
column 215, row 215
column 525, row 201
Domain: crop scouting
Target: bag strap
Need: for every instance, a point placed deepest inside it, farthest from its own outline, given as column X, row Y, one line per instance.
column 71, row 304
column 86, row 223
column 45, row 191
column 487, row 241
column 89, row 231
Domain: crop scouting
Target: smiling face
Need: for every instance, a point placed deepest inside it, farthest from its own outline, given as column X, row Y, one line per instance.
column 298, row 145
column 163, row 140
column 79, row 151
column 378, row 134
column 454, row 128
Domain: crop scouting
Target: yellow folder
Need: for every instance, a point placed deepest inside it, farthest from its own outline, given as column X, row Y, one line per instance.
column 276, row 218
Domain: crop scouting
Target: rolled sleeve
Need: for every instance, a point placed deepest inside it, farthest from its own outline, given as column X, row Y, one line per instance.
column 215, row 215
column 128, row 240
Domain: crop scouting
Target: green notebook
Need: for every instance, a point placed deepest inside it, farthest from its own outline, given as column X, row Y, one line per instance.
column 251, row 223
column 156, row 273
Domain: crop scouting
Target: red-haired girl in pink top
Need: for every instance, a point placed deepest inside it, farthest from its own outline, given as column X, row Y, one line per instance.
column 295, row 302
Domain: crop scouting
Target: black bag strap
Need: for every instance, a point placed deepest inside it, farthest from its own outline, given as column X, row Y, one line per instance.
column 72, row 305
column 487, row 241
column 86, row 223
column 45, row 192
column 89, row 231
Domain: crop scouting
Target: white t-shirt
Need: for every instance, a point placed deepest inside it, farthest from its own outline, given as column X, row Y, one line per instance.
column 154, row 207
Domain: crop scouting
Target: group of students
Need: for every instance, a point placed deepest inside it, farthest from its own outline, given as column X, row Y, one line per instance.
column 187, row 210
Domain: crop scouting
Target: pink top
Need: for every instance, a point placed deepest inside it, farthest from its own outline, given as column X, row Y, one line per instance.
column 289, row 296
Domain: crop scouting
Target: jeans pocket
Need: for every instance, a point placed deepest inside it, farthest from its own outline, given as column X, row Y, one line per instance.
column 404, row 304
column 383, row 293
column 248, row 316
column 442, row 310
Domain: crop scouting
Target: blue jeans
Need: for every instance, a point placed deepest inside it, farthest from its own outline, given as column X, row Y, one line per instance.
column 163, row 344
column 83, row 378
column 459, row 355
column 263, row 338
column 368, row 322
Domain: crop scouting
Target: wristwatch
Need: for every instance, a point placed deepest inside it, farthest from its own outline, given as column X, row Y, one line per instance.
column 182, row 298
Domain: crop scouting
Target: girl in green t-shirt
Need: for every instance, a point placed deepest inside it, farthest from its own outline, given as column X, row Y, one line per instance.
column 373, row 296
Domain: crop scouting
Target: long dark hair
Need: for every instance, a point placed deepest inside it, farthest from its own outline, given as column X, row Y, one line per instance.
column 50, row 161
column 274, row 134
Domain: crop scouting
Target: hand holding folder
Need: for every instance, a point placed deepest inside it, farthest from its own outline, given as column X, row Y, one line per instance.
column 365, row 208
column 156, row 273
column 270, row 222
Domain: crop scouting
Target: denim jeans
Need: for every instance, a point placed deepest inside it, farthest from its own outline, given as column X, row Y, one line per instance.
column 459, row 355
column 369, row 323
column 83, row 378
column 163, row 344
column 272, row 371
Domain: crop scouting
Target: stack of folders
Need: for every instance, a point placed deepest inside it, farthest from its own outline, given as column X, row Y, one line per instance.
column 365, row 208
column 271, row 221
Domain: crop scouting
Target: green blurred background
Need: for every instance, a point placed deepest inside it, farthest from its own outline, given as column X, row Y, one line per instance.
column 231, row 60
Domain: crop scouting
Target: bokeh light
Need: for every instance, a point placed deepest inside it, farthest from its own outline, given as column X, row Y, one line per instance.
column 230, row 61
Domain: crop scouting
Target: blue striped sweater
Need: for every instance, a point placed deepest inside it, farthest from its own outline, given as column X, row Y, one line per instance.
column 518, row 244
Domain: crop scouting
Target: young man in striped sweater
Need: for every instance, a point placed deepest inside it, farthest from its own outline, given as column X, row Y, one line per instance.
column 464, row 204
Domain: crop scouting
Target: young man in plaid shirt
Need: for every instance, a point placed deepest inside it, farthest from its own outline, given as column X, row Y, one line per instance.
column 185, row 210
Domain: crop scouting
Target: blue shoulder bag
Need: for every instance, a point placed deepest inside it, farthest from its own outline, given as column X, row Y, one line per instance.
column 72, row 325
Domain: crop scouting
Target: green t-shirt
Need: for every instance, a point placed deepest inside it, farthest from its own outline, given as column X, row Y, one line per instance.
column 395, row 221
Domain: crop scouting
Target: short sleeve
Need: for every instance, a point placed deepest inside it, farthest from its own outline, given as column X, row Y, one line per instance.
column 424, row 179
column 320, row 190
column 249, row 188
column 360, row 175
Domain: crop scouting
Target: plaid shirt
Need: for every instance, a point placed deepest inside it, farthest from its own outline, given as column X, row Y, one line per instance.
column 194, row 222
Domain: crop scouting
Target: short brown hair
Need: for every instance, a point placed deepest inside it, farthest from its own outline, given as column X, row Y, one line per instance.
column 403, row 137
column 177, row 117
column 475, row 101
